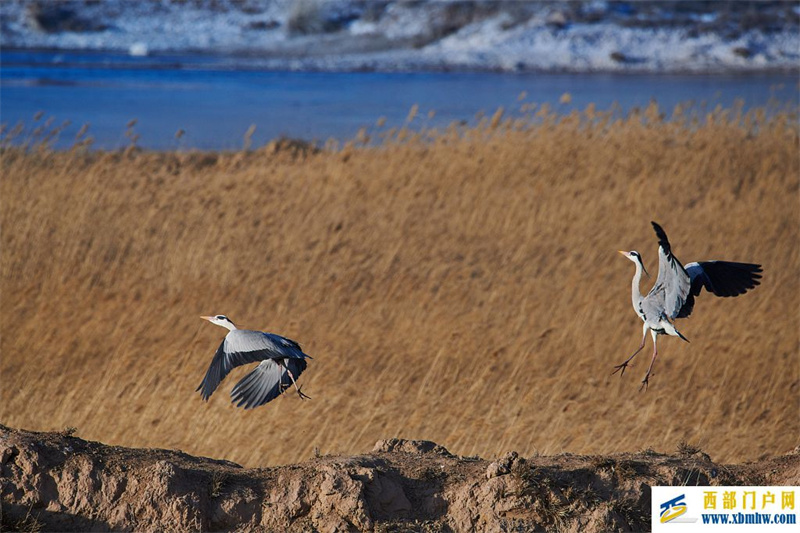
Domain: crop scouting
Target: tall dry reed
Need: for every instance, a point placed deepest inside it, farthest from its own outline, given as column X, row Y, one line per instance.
column 460, row 286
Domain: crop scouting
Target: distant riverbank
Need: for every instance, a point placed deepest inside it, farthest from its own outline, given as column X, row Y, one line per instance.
column 345, row 35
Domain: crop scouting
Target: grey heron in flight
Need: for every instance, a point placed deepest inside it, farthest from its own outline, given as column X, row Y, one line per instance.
column 676, row 287
column 281, row 363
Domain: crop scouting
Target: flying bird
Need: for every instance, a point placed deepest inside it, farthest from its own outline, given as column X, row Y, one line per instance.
column 281, row 363
column 676, row 287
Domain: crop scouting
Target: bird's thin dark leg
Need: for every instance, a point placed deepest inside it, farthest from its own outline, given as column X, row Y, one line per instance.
column 291, row 376
column 624, row 365
column 646, row 379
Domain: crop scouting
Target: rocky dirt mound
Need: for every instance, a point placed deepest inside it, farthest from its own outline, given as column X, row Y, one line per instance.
column 54, row 481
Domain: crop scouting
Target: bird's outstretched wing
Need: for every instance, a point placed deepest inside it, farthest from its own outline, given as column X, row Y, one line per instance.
column 673, row 280
column 265, row 383
column 243, row 346
column 222, row 363
column 721, row 278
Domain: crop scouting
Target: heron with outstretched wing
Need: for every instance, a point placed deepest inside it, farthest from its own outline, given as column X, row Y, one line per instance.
column 676, row 287
column 281, row 361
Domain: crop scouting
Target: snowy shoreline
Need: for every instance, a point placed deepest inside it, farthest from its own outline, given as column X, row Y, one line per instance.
column 250, row 62
column 347, row 35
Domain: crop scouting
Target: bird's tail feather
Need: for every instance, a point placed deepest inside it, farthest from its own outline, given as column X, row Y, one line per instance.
column 670, row 328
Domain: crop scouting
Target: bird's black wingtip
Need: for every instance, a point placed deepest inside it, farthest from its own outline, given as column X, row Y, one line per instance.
column 663, row 241
column 203, row 394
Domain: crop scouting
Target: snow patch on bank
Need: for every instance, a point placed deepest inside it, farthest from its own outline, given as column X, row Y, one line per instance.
column 395, row 36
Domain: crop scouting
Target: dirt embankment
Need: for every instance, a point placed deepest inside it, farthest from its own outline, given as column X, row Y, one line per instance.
column 53, row 481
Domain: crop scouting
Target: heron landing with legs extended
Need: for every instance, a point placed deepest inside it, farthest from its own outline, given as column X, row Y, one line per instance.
column 676, row 287
column 281, row 363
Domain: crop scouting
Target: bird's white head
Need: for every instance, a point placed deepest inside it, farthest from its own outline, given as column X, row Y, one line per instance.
column 220, row 320
column 634, row 256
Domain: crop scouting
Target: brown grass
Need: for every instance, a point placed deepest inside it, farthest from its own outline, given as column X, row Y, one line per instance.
column 463, row 289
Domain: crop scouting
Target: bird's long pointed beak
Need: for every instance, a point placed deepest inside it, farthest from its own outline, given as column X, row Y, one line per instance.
column 207, row 318
column 623, row 252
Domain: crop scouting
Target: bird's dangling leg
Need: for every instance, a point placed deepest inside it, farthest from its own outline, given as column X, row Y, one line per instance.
column 624, row 365
column 646, row 379
column 300, row 393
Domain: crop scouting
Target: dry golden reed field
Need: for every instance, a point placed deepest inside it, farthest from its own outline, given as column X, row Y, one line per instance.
column 461, row 286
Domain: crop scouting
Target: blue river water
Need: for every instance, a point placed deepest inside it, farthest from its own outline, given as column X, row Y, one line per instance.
column 215, row 101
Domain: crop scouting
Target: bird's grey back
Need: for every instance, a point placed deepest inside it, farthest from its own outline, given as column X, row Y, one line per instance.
column 269, row 344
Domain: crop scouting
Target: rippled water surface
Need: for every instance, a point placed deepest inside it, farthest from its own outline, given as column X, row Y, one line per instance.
column 215, row 100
